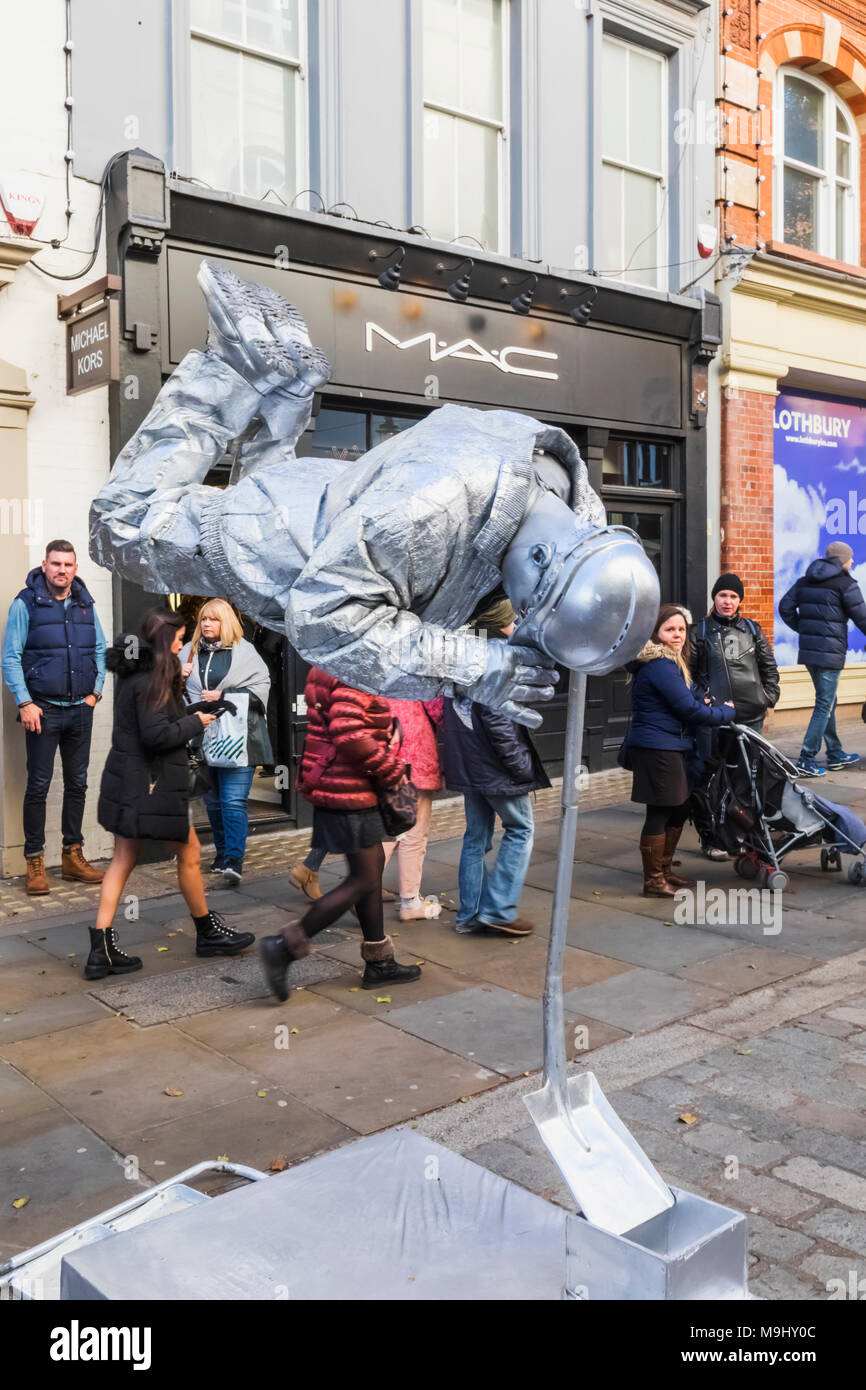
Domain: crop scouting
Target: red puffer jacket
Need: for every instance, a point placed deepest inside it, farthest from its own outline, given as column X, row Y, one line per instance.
column 346, row 750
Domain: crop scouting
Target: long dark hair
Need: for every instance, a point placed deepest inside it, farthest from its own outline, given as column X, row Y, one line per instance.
column 158, row 629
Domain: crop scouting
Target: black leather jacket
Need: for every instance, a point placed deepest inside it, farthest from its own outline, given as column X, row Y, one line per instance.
column 732, row 659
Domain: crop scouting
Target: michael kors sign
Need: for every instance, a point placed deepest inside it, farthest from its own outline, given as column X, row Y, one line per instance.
column 92, row 336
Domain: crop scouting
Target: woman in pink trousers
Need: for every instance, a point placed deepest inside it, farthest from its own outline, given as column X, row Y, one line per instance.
column 418, row 722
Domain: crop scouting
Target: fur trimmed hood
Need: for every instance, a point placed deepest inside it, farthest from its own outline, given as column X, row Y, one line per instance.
column 651, row 650
column 128, row 655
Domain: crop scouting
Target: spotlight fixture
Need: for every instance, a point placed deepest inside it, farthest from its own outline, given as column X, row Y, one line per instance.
column 390, row 276
column 522, row 303
column 582, row 310
column 458, row 289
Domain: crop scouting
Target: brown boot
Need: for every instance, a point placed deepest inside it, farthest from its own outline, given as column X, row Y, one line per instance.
column 655, row 885
column 307, row 880
column 74, row 865
column 672, row 839
column 37, row 879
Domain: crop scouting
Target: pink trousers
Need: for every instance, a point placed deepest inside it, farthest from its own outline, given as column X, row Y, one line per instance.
column 411, row 849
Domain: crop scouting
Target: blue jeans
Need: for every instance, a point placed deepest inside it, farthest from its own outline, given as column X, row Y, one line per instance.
column 227, row 810
column 67, row 728
column 494, row 895
column 822, row 725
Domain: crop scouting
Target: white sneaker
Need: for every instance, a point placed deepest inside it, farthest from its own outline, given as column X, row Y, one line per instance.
column 419, row 909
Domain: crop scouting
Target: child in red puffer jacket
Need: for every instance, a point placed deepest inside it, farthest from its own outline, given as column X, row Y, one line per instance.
column 419, row 720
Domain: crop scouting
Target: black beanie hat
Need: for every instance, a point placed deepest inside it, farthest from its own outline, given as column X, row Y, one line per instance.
column 729, row 581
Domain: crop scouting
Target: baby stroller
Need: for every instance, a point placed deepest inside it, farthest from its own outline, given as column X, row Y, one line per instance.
column 753, row 806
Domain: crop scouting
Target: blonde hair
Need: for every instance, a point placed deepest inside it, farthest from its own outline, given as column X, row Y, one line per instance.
column 231, row 631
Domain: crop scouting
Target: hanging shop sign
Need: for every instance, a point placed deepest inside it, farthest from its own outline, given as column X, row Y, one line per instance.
column 92, row 335
column 819, row 456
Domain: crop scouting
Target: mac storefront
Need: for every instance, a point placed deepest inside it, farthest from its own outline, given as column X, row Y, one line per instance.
column 629, row 387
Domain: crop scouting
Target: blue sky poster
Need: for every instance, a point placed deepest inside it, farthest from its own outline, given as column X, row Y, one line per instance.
column 819, row 476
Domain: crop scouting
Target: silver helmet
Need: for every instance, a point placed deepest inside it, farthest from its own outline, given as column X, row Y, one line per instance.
column 587, row 598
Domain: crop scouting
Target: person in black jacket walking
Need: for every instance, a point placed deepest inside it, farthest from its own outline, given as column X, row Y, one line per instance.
column 145, row 793
column 819, row 608
column 494, row 763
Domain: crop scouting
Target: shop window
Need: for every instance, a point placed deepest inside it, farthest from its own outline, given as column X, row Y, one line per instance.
column 347, row 434
column 464, row 119
column 244, row 95
column 632, row 233
column 816, row 173
column 650, row 527
column 637, row 463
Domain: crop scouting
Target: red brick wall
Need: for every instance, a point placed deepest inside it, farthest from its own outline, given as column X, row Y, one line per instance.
column 747, row 498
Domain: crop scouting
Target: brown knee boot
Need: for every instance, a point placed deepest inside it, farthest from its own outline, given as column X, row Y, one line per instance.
column 672, row 838
column 655, row 885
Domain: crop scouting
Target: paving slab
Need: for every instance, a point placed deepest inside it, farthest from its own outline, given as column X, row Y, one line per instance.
column 47, row 1015
column 494, row 1027
column 252, row 1131
column 367, row 1074
column 776, row 1242
column 249, row 1031
column 19, row 1098
column 842, row 1228
column 746, row 968
column 113, row 1075
column 162, row 998
column 766, row 1008
column 67, row 1172
column 522, row 968
column 826, row 1180
column 345, row 988
column 641, row 941
column 640, row 999
column 838, row 1119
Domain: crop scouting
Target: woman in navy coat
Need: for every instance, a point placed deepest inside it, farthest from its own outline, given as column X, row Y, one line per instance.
column 665, row 714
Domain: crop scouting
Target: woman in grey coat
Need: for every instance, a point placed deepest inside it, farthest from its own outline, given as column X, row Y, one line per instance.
column 220, row 661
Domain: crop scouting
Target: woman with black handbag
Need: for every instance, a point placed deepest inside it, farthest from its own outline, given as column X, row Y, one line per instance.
column 352, row 773
column 147, row 785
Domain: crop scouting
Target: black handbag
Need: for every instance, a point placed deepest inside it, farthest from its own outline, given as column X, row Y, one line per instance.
column 199, row 776
column 398, row 806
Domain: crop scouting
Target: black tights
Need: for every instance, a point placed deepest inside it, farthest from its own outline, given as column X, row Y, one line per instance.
column 362, row 889
column 658, row 818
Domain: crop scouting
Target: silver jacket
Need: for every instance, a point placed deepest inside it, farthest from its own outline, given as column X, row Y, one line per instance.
column 369, row 567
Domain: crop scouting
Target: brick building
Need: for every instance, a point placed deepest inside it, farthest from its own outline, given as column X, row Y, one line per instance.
column 791, row 182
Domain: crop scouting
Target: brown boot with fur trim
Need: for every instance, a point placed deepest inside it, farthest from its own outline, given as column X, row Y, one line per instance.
column 381, row 968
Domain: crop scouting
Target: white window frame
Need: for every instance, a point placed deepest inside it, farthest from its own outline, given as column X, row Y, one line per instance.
column 662, row 176
column 501, row 126
column 828, row 179
column 184, row 34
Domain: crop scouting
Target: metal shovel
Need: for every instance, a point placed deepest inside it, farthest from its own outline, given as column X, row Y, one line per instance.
column 610, row 1176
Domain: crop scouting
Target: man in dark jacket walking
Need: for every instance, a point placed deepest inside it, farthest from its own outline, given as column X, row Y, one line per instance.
column 819, row 608
column 54, row 665
column 494, row 763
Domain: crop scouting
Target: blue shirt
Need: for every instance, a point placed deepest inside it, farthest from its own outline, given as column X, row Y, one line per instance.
column 14, row 642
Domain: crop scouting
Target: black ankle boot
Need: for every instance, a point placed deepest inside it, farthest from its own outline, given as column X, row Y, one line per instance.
column 278, row 952
column 106, row 957
column 214, row 938
column 381, row 968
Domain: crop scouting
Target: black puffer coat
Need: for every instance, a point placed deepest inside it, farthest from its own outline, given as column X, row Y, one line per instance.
column 144, row 793
column 819, row 607
column 496, row 757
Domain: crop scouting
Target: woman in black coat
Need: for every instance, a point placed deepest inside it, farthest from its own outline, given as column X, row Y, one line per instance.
column 145, row 794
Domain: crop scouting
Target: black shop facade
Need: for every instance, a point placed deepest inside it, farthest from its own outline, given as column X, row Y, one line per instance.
column 629, row 387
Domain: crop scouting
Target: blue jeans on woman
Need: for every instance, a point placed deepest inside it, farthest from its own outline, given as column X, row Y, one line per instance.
column 822, row 725
column 227, row 811
column 493, row 896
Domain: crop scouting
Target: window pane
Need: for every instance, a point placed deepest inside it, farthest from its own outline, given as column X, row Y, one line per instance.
column 640, row 235
column 269, row 155
column 481, row 83
column 223, row 17
column 338, row 434
column 843, row 159
column 441, row 52
column 215, row 104
column 610, row 248
column 273, row 24
column 801, row 210
column 804, row 123
column 440, row 210
column 645, row 110
column 478, row 183
column 636, row 463
column 843, row 202
column 382, row 427
column 649, row 527
column 614, row 88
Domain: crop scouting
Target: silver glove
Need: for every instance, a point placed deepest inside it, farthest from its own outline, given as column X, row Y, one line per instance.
column 512, row 679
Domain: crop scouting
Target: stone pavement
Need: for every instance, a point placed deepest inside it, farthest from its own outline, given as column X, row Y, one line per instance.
column 734, row 1050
